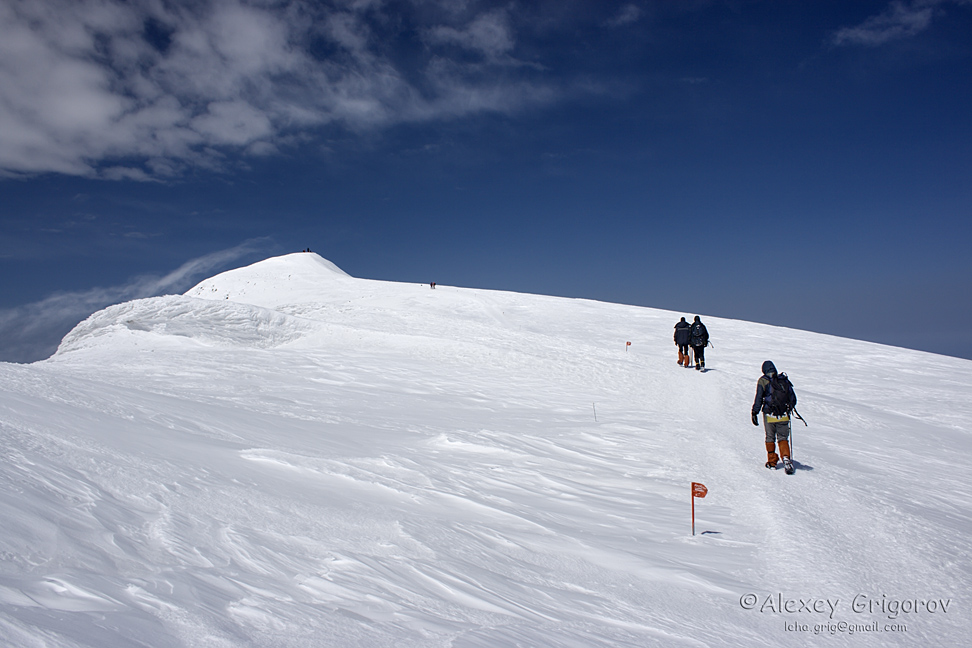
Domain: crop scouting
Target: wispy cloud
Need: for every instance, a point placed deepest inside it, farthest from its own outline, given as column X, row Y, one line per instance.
column 898, row 20
column 488, row 34
column 32, row 331
column 627, row 15
column 143, row 89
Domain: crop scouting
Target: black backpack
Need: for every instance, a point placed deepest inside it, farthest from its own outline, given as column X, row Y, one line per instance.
column 781, row 399
column 699, row 334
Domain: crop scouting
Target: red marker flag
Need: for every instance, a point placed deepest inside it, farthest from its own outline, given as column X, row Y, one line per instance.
column 698, row 490
column 626, row 347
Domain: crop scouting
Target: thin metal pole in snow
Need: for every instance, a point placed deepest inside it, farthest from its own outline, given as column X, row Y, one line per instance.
column 595, row 412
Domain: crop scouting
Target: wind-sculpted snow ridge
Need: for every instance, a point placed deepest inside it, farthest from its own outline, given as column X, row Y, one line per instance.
column 235, row 308
column 146, row 322
column 288, row 456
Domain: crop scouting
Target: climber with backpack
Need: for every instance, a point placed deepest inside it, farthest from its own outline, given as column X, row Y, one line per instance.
column 777, row 400
column 699, row 339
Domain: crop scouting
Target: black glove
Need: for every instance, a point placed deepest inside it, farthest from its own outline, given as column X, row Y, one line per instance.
column 755, row 420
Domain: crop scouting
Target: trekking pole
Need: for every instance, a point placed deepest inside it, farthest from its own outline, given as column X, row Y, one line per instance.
column 797, row 414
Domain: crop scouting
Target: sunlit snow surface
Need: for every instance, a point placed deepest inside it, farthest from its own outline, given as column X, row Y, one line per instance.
column 289, row 456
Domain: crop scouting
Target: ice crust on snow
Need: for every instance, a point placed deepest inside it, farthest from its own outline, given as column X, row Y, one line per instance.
column 290, row 456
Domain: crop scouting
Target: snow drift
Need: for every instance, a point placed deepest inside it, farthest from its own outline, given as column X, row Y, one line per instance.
column 289, row 456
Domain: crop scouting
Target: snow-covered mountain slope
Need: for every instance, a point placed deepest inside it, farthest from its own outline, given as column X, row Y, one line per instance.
column 289, row 456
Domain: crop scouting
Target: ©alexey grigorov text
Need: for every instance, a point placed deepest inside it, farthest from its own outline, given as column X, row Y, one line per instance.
column 891, row 607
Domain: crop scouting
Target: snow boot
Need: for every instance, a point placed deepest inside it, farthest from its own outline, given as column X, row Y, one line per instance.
column 771, row 456
column 681, row 357
column 785, row 452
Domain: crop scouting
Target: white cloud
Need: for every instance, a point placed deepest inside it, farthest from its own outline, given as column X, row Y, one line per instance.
column 232, row 122
column 898, row 20
column 32, row 332
column 144, row 88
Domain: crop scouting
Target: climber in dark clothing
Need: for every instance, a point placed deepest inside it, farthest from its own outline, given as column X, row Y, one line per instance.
column 699, row 339
column 683, row 334
column 776, row 420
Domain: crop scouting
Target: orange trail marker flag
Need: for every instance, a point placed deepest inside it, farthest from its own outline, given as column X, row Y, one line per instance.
column 698, row 490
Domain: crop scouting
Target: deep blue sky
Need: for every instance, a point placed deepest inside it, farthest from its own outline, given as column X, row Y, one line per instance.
column 806, row 164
